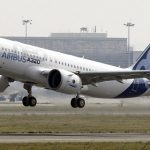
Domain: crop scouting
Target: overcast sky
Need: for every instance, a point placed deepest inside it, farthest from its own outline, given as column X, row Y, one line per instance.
column 69, row 15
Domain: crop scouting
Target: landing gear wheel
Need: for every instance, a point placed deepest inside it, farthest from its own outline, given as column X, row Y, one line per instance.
column 74, row 103
column 77, row 102
column 32, row 101
column 25, row 101
column 29, row 101
column 80, row 102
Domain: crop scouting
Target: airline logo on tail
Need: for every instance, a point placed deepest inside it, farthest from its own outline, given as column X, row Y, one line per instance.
column 143, row 63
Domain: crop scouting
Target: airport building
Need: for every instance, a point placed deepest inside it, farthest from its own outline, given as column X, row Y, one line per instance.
column 95, row 46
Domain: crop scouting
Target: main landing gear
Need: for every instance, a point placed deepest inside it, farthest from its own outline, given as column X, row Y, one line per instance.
column 77, row 102
column 29, row 100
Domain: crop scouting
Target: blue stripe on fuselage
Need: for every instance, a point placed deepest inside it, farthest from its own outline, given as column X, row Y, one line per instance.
column 137, row 88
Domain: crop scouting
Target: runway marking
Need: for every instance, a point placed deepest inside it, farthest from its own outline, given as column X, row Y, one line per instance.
column 74, row 137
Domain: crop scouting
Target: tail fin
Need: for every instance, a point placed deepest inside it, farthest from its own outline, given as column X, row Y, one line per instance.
column 143, row 62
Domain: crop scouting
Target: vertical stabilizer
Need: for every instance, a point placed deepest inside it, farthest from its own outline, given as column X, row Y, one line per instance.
column 143, row 62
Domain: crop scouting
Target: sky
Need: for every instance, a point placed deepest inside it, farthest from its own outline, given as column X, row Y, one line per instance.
column 49, row 16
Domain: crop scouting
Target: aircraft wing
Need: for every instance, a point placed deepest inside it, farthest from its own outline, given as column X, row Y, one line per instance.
column 94, row 77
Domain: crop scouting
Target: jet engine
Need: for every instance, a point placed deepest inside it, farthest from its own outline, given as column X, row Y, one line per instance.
column 64, row 81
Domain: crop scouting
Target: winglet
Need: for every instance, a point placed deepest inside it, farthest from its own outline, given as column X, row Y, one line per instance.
column 143, row 62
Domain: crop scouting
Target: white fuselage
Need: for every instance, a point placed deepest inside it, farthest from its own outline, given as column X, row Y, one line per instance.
column 17, row 58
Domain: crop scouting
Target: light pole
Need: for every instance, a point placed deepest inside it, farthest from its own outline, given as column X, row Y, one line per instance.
column 25, row 23
column 128, row 25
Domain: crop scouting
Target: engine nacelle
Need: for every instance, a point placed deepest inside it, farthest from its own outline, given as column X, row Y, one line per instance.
column 64, row 81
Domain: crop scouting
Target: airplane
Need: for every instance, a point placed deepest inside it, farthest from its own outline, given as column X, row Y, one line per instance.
column 35, row 66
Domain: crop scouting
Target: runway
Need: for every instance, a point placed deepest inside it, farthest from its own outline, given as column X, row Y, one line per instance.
column 74, row 137
column 139, row 108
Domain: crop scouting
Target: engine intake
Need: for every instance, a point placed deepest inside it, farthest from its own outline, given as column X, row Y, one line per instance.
column 54, row 79
column 64, row 81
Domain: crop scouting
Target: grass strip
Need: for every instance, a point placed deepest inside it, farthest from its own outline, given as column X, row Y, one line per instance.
column 76, row 146
column 73, row 123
